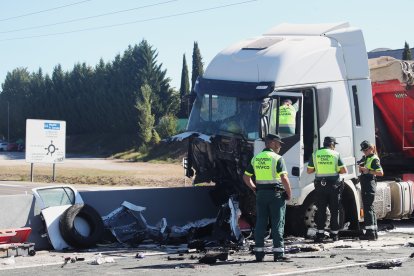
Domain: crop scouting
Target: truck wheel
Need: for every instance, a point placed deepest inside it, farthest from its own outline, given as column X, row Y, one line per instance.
column 300, row 219
column 71, row 234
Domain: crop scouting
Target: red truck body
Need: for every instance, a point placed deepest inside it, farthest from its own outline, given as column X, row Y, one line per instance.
column 396, row 103
column 393, row 96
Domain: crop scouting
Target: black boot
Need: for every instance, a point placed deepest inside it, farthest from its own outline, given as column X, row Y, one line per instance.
column 280, row 258
column 319, row 237
column 334, row 237
column 376, row 235
column 259, row 256
column 369, row 236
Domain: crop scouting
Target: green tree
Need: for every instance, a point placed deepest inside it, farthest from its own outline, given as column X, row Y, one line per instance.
column 155, row 139
column 91, row 99
column 184, row 91
column 16, row 91
column 406, row 55
column 145, row 118
column 167, row 126
column 165, row 99
column 197, row 65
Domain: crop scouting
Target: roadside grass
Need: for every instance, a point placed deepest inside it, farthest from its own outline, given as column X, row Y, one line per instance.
column 130, row 155
column 155, row 170
column 163, row 152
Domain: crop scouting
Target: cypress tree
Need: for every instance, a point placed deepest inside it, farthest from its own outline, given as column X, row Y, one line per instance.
column 145, row 118
column 406, row 55
column 184, row 91
column 197, row 65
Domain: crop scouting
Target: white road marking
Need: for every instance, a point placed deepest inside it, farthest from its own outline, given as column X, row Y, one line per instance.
column 10, row 185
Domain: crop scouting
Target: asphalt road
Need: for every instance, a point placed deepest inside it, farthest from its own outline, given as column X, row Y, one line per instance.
column 344, row 257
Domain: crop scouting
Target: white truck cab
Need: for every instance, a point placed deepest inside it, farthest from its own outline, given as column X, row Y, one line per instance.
column 323, row 70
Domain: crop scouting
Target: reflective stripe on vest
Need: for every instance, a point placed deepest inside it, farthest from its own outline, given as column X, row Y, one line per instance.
column 326, row 162
column 368, row 162
column 264, row 165
column 287, row 116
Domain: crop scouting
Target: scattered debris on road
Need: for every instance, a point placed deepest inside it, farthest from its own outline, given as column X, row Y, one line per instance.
column 385, row 264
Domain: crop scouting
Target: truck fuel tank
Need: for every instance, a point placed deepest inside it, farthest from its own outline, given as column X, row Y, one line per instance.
column 402, row 199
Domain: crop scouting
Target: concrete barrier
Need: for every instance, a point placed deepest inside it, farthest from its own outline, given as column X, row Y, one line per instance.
column 178, row 205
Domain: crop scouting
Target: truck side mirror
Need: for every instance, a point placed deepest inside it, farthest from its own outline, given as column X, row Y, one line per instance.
column 264, row 125
column 265, row 107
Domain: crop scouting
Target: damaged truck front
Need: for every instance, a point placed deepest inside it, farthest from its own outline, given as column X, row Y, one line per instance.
column 224, row 125
column 323, row 70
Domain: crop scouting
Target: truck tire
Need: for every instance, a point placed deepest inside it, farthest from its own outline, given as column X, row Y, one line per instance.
column 300, row 219
column 69, row 232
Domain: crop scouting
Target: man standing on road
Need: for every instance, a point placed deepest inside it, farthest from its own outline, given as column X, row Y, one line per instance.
column 327, row 165
column 272, row 190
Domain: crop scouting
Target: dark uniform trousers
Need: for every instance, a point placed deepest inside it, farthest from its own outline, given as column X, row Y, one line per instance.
column 328, row 195
column 368, row 187
column 270, row 203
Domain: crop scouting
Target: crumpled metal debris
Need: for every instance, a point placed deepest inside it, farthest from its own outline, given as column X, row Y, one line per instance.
column 212, row 258
column 227, row 227
column 302, row 248
column 385, row 264
column 129, row 226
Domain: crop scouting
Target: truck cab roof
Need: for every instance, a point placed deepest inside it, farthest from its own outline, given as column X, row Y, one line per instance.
column 314, row 53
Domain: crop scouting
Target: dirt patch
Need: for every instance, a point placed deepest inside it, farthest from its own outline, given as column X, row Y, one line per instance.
column 96, row 171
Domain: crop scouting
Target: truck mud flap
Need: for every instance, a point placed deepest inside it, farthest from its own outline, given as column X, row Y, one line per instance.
column 401, row 200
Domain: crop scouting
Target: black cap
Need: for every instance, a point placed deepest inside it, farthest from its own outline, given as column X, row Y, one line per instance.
column 329, row 140
column 273, row 137
column 365, row 145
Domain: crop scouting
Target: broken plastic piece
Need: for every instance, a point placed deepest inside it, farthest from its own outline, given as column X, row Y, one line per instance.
column 140, row 256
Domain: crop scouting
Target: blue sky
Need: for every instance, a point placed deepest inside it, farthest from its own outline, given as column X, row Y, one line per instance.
column 31, row 31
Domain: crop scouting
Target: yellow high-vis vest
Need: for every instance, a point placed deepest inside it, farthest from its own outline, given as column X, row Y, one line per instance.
column 326, row 163
column 287, row 116
column 264, row 165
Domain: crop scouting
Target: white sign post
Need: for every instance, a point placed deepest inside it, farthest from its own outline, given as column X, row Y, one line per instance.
column 45, row 142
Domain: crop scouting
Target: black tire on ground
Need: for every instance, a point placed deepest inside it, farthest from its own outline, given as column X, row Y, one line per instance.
column 69, row 232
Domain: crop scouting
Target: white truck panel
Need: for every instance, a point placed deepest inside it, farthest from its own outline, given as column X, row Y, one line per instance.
column 291, row 61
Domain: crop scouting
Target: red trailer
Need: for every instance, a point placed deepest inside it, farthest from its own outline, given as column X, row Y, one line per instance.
column 393, row 95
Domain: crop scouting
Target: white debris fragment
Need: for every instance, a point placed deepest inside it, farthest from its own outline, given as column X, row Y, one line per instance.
column 9, row 261
column 99, row 259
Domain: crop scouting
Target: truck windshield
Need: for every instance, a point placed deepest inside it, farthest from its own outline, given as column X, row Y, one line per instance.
column 230, row 116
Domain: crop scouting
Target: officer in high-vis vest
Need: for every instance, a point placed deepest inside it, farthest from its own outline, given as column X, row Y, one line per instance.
column 327, row 165
column 370, row 168
column 287, row 118
column 272, row 189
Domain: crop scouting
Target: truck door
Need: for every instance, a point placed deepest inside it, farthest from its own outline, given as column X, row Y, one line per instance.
column 286, row 120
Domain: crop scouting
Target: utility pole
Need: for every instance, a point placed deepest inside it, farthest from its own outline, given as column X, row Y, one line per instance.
column 8, row 122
